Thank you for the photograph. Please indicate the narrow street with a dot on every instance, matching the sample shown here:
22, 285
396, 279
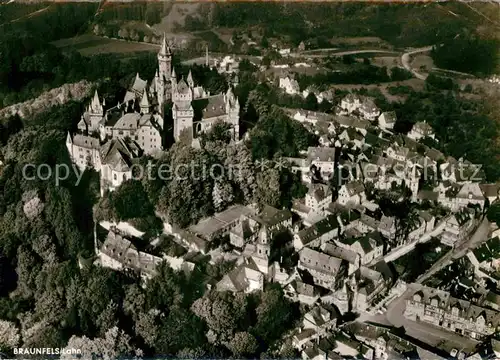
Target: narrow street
479, 236
428, 333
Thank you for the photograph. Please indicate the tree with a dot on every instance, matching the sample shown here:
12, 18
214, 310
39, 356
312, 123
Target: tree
115, 344
275, 314
147, 326
220, 131
348, 59
222, 312
243, 344
493, 213
130, 200
268, 188
311, 102
9, 335
27, 268
222, 194
180, 330
134, 301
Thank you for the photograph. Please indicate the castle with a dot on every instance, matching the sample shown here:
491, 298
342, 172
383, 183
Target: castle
109, 139
193, 109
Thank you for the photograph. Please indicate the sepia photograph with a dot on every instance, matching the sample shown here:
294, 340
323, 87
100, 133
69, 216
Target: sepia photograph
300, 180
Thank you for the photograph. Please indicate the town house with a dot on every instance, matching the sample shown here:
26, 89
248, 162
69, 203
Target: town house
322, 158
327, 271
352, 193
386, 120
421, 130
437, 307
369, 247
317, 234
457, 227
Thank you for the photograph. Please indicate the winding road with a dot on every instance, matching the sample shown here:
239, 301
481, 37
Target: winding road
406, 60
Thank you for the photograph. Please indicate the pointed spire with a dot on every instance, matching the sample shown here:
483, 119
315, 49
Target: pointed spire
96, 98
190, 80
68, 139
165, 49
144, 102
174, 76
156, 75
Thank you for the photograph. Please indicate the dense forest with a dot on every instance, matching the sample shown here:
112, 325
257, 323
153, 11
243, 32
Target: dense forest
47, 300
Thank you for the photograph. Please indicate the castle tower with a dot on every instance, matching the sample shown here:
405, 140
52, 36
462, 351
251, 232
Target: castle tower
95, 112
95, 105
182, 114
190, 80
164, 60
233, 112
173, 84
263, 245
144, 103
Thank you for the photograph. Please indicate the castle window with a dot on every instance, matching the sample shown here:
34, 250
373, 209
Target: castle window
114, 176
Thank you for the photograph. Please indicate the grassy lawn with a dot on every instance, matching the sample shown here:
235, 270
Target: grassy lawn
89, 44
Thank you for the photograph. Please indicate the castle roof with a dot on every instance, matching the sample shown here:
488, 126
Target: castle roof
118, 154
95, 104
144, 100
128, 121
122, 250
87, 142
182, 87
139, 85
210, 107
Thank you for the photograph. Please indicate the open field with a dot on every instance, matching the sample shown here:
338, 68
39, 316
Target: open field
422, 61
360, 41
415, 84
388, 61
88, 45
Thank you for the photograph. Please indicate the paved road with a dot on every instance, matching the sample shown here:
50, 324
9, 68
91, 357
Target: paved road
342, 53
406, 60
201, 59
479, 236
428, 333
